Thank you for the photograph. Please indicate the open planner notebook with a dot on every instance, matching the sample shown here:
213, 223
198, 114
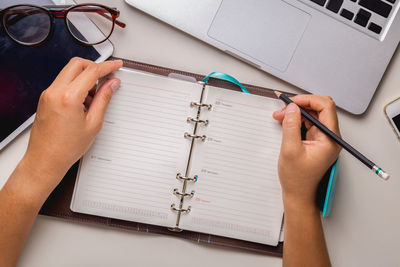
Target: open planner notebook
187, 156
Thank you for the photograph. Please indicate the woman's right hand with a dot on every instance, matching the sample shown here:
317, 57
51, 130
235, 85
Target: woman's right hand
302, 163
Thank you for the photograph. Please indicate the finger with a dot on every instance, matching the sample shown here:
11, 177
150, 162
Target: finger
88, 78
308, 124
279, 114
323, 105
291, 134
88, 101
314, 134
313, 102
93, 90
101, 99
310, 103
74, 67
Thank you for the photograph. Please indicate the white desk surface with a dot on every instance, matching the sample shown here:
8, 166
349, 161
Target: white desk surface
363, 229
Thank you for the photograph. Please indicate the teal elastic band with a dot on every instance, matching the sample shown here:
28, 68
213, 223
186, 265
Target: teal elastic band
225, 77
330, 192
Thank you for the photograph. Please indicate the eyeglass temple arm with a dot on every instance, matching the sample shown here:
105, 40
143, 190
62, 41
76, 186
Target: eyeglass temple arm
98, 10
27, 12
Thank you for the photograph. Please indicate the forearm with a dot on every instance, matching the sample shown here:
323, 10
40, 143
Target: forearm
68, 118
20, 201
304, 243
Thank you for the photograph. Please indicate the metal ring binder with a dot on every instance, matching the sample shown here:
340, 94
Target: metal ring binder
183, 193
201, 105
190, 119
184, 178
201, 137
181, 210
175, 229
189, 195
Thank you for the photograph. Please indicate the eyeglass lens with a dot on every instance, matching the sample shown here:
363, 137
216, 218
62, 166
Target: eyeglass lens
27, 25
77, 23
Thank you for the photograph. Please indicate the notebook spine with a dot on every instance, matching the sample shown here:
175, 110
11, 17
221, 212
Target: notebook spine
185, 179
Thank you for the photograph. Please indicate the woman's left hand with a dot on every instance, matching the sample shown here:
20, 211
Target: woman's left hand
69, 116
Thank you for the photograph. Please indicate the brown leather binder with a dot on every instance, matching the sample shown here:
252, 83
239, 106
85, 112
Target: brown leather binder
58, 203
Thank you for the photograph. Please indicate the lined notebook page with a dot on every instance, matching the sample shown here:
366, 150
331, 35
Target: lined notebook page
129, 172
238, 193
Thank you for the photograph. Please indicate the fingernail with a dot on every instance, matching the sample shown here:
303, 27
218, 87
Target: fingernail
280, 111
115, 85
119, 61
291, 108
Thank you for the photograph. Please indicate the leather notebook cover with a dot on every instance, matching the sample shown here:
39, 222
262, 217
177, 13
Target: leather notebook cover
58, 203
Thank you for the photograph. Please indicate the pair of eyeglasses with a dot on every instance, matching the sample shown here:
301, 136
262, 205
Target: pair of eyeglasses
32, 25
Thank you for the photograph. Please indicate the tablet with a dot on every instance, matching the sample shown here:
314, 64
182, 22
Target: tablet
25, 72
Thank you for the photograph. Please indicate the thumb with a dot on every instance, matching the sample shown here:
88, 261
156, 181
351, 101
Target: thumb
291, 133
101, 99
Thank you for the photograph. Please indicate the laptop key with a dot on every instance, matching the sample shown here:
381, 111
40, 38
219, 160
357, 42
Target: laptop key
319, 2
347, 14
375, 28
376, 6
334, 5
362, 17
366, 9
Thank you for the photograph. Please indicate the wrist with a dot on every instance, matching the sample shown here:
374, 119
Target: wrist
32, 182
42, 173
300, 204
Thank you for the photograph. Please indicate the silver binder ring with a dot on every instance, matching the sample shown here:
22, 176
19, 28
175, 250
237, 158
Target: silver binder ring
189, 120
184, 178
188, 195
180, 210
201, 105
201, 137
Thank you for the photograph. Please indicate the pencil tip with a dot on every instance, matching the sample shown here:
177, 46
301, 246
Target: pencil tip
277, 93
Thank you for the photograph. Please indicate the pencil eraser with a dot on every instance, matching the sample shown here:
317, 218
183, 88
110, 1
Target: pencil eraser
384, 175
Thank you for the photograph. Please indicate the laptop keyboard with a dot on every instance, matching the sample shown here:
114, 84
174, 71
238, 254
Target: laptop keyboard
372, 15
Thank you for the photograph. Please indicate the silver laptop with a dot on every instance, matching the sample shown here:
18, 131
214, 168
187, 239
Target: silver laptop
339, 48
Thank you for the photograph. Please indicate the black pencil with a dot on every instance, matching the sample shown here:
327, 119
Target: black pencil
381, 173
